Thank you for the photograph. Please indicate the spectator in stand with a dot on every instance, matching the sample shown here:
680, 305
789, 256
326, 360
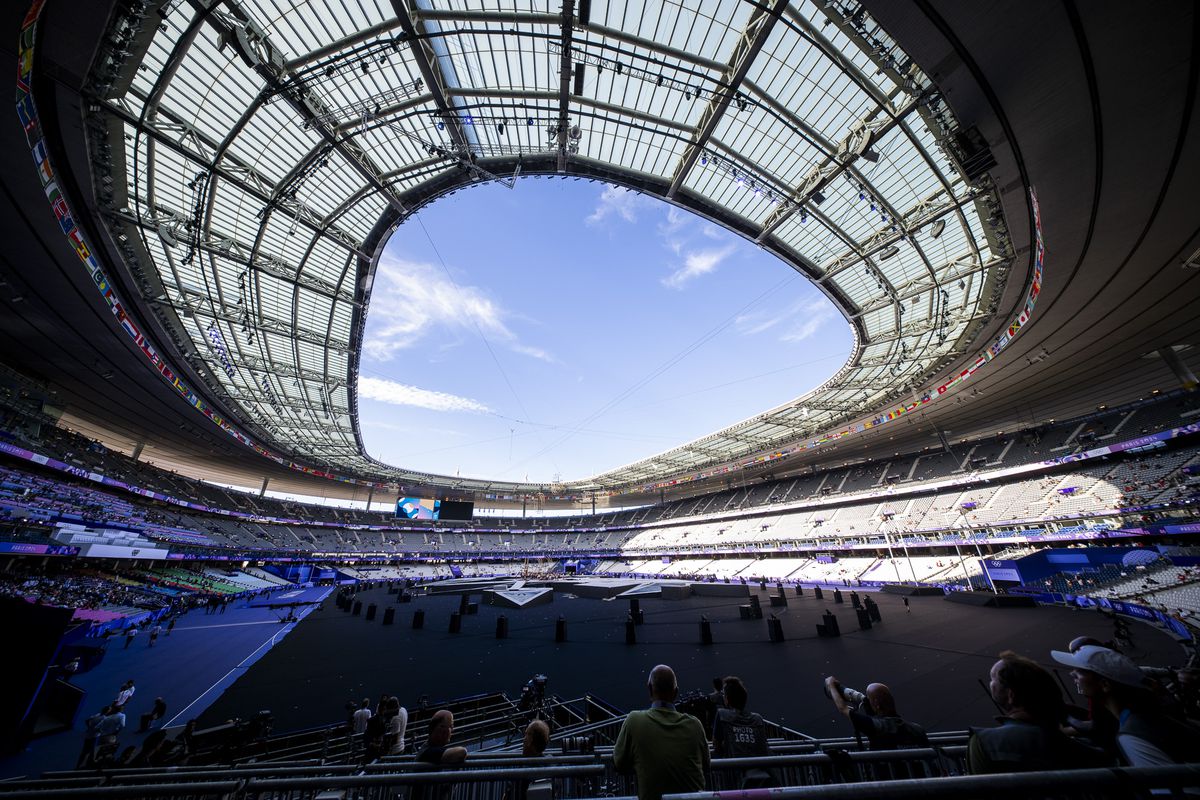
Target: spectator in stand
153, 715
874, 715
741, 734
717, 695
374, 736
1146, 737
361, 717
537, 737
125, 694
437, 748
1028, 737
438, 754
397, 726
665, 748
108, 729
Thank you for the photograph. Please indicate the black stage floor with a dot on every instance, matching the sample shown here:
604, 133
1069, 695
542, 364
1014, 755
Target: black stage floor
932, 657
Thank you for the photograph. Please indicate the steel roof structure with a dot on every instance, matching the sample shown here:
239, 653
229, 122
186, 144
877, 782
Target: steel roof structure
246, 162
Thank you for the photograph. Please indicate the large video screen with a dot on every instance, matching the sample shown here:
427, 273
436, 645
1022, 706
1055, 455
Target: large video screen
417, 508
456, 510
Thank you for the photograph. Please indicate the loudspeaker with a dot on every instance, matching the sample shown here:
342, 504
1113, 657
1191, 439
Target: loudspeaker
472, 608
455, 622
371, 609
774, 629
778, 601
501, 627
829, 626
706, 631
837, 596
799, 590
873, 610
817, 593
630, 631
854, 600
357, 607
389, 615
864, 619
418, 619
560, 630
463, 602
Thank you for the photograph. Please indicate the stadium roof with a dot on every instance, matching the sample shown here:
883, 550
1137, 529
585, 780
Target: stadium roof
248, 161
269, 149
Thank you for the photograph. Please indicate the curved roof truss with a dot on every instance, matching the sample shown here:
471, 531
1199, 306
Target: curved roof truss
261, 152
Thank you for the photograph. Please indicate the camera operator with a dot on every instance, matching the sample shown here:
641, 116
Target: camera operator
874, 715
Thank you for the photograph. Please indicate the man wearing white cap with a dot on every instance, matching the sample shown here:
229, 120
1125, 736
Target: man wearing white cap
1146, 737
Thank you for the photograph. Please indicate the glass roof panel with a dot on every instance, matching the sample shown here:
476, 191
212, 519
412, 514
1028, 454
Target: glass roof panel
354, 115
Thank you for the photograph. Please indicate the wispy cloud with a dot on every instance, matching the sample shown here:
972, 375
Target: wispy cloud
617, 201
798, 321
401, 394
699, 249
811, 318
411, 300
695, 264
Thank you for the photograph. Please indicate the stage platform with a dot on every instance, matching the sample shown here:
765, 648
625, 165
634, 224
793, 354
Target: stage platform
522, 597
989, 600
721, 589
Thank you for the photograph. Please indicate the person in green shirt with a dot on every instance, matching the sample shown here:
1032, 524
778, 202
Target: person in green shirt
666, 749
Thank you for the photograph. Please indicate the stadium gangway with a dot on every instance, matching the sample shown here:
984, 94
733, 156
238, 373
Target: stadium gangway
1060, 784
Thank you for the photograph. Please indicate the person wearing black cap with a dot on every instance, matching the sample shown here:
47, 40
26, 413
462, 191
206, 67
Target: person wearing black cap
1146, 737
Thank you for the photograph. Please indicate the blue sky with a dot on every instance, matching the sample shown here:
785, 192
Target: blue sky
563, 328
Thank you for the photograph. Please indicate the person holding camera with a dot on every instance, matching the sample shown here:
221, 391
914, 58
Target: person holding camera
738, 733
873, 715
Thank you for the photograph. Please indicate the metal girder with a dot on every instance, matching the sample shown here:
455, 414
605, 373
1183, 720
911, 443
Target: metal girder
954, 270
243, 176
857, 142
758, 28
589, 102
918, 217
229, 314
431, 71
233, 250
358, 37
266, 60
567, 22
242, 396
259, 365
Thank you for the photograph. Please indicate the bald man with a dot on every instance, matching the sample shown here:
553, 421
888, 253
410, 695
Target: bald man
876, 716
438, 753
665, 748
437, 748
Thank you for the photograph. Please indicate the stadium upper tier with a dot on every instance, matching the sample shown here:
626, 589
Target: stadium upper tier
1028, 478
250, 161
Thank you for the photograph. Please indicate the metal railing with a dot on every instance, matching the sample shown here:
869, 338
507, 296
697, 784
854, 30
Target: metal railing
1066, 784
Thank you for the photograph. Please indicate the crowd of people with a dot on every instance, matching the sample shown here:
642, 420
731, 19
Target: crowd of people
78, 590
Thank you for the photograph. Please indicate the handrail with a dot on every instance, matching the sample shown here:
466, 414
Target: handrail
409, 778
1006, 785
215, 788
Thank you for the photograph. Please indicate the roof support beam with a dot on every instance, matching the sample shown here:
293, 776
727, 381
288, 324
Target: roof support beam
431, 70
238, 252
758, 28
564, 80
243, 176
261, 55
